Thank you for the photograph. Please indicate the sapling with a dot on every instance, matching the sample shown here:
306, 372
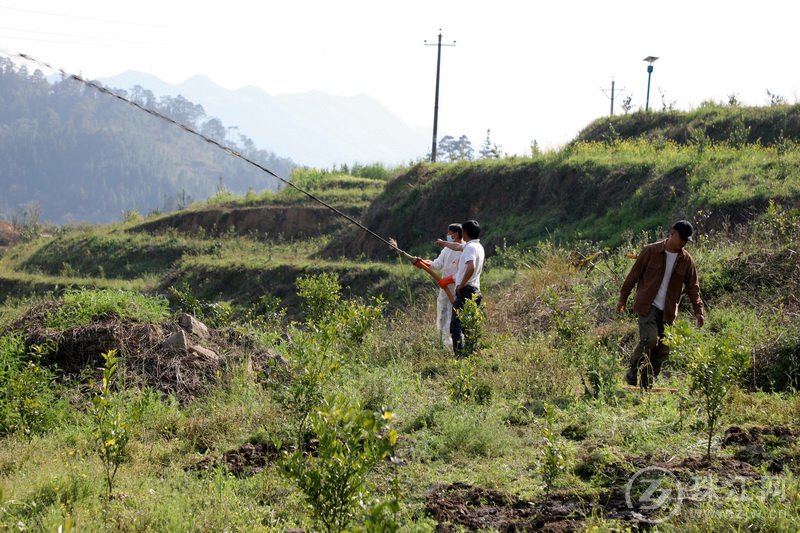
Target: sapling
553, 460
351, 443
714, 366
110, 430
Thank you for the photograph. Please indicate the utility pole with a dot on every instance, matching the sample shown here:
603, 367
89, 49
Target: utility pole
436, 100
613, 83
612, 97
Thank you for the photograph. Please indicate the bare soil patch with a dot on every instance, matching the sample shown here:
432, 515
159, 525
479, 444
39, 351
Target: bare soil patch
461, 505
247, 460
772, 446
477, 508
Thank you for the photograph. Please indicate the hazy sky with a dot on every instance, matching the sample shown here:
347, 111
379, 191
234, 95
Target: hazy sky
525, 69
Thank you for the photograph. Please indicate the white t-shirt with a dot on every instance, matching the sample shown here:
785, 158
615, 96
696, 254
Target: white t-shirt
447, 262
473, 251
662, 291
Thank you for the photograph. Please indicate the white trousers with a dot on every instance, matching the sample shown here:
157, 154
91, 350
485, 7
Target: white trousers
444, 310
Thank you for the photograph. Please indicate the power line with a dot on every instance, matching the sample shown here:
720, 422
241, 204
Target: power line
71, 35
64, 15
77, 43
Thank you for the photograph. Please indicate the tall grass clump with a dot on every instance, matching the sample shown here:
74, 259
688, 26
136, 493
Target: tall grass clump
83, 306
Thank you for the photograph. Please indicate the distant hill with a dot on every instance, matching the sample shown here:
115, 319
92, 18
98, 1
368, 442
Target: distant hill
71, 154
314, 128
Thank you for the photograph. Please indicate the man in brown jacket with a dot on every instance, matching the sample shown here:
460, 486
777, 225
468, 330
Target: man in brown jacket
659, 273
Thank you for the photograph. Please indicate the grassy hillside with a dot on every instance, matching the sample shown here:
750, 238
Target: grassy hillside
592, 191
322, 379
732, 124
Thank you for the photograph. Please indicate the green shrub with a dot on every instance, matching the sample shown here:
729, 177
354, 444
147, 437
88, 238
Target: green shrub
351, 443
465, 386
312, 365
320, 294
358, 319
714, 365
473, 320
596, 364
27, 395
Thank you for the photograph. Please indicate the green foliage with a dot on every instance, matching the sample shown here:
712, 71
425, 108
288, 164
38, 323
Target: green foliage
351, 443
739, 134
473, 321
714, 366
322, 304
110, 430
778, 224
452, 149
83, 306
359, 319
465, 386
597, 365
214, 314
27, 394
320, 294
312, 363
553, 460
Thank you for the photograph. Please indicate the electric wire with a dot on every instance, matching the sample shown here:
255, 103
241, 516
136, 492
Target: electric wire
78, 17
105, 90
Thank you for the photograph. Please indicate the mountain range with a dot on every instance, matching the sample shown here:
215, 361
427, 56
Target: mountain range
314, 129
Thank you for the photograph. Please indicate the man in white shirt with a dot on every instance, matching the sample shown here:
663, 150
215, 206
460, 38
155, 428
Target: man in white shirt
468, 279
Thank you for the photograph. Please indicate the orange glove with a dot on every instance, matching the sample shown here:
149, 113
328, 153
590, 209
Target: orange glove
444, 282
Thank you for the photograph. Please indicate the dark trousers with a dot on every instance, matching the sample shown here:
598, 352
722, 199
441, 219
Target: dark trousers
650, 353
456, 331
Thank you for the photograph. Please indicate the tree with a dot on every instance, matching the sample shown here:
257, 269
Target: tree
214, 129
775, 99
488, 149
143, 97
456, 149
181, 109
626, 104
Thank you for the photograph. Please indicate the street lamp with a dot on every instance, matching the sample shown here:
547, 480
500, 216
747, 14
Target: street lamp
649, 60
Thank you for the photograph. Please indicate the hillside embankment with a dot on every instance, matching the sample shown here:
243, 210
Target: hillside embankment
768, 126
264, 222
597, 192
